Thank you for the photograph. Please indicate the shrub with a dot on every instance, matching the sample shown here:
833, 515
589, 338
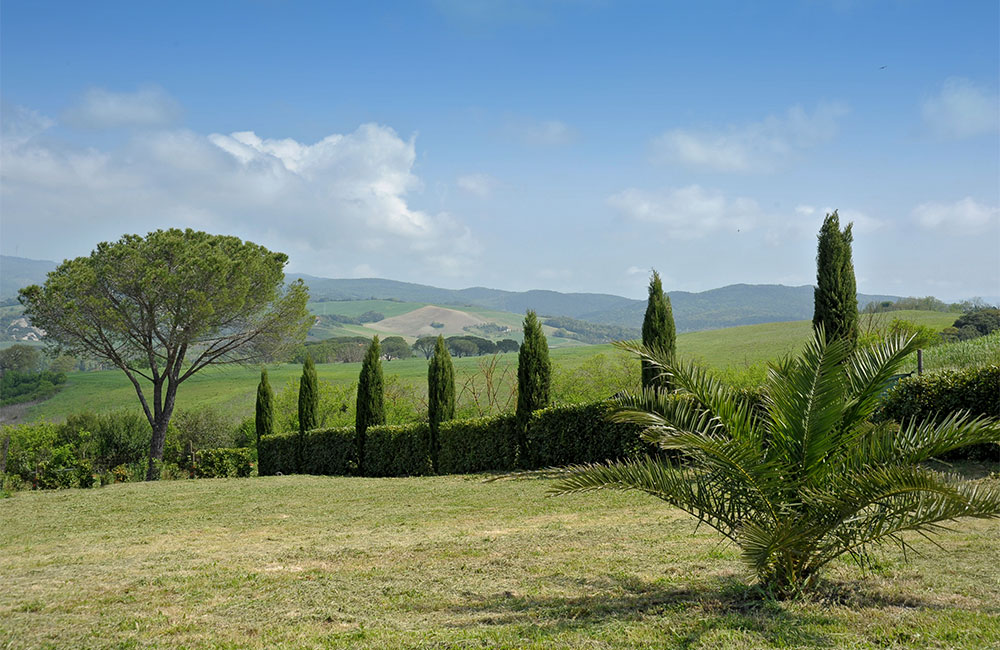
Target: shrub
397, 450
477, 445
582, 433
205, 428
935, 396
17, 386
110, 439
30, 445
223, 463
327, 452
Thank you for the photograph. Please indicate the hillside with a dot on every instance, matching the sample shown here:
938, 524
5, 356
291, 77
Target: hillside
738, 304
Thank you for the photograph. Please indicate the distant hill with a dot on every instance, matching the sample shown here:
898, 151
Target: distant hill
737, 304
19, 272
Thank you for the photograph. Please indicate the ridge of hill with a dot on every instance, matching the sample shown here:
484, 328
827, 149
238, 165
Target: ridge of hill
733, 305
736, 304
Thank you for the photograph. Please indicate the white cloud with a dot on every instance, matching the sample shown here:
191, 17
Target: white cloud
334, 205
758, 146
804, 210
863, 223
966, 216
635, 270
18, 124
481, 185
962, 110
149, 106
546, 133
688, 212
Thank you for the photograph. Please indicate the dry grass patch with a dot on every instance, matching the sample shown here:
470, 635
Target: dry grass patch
442, 562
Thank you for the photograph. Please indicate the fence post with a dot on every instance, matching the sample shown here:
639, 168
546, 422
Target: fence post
4, 447
920, 362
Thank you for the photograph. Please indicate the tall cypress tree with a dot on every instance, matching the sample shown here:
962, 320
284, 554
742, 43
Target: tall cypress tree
534, 376
371, 397
440, 394
308, 406
658, 331
836, 295
264, 416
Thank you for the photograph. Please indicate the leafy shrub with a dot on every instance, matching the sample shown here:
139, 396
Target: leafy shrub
477, 445
109, 439
935, 396
223, 463
582, 433
984, 320
17, 386
397, 450
30, 446
205, 428
327, 452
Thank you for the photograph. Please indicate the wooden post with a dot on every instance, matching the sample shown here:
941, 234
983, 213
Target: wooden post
920, 362
4, 447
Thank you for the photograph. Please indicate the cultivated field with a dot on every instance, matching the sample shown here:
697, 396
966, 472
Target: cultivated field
445, 562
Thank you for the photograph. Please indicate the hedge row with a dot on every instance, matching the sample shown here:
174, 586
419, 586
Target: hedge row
223, 463
560, 435
935, 395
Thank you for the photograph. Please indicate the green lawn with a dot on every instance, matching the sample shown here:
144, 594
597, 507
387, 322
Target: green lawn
445, 562
232, 389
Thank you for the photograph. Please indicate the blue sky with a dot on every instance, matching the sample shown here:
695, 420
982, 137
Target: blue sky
567, 145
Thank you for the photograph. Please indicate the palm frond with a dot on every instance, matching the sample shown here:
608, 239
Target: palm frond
869, 375
711, 499
805, 404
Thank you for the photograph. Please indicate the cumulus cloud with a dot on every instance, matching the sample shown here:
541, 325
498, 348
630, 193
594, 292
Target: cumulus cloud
334, 205
689, 212
962, 110
966, 216
758, 146
545, 133
149, 106
481, 185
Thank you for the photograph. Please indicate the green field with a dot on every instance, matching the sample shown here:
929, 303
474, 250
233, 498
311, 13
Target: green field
446, 562
232, 389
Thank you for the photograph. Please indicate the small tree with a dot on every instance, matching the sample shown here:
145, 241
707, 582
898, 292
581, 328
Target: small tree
440, 393
20, 357
396, 347
370, 410
264, 416
534, 375
308, 404
144, 304
836, 295
425, 346
658, 333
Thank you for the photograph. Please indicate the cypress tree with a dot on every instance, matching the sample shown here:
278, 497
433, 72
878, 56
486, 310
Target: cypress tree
658, 331
534, 376
371, 397
264, 416
440, 393
836, 294
308, 405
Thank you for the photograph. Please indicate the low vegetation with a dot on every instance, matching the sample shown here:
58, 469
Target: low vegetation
447, 562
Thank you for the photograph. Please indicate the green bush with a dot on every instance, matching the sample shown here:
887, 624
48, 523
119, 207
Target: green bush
936, 395
397, 450
223, 463
479, 445
582, 433
327, 452
109, 439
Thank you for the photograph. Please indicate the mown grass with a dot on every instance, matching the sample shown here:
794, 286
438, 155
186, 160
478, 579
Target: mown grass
232, 389
444, 562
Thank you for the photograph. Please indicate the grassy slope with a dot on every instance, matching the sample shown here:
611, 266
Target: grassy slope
443, 562
233, 389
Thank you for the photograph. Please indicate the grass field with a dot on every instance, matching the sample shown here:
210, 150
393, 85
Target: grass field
445, 562
232, 389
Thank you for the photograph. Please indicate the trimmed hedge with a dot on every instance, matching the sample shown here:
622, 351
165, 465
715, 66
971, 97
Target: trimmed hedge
327, 452
397, 450
479, 445
223, 463
935, 395
581, 433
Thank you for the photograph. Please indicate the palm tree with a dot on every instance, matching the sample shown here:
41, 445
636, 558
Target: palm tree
802, 476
